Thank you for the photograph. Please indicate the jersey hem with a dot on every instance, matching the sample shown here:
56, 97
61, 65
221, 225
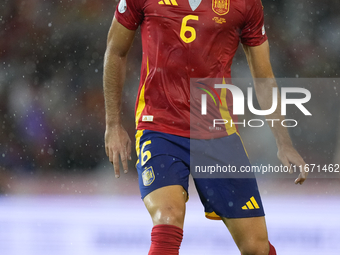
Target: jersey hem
258, 43
187, 133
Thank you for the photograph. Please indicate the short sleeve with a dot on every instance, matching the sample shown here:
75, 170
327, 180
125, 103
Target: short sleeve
253, 32
129, 13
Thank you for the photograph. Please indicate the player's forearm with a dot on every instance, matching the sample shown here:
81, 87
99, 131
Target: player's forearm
264, 94
114, 77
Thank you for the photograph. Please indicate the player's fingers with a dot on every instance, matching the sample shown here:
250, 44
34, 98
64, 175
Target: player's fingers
123, 158
115, 162
303, 171
109, 154
290, 169
107, 149
300, 179
298, 161
302, 176
128, 148
286, 163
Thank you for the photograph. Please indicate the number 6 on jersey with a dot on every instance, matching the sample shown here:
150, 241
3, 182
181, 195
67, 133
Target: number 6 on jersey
185, 28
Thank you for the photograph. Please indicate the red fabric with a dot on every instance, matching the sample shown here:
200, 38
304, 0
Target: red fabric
165, 240
272, 250
180, 44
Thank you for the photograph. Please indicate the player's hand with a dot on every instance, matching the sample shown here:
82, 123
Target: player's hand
118, 145
288, 155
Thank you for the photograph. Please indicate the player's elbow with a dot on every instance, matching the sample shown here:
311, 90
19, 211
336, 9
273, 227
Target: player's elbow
112, 50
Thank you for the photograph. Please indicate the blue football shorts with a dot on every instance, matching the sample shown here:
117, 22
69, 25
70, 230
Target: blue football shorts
165, 159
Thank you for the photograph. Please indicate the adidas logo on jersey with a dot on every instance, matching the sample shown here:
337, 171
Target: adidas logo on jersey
168, 2
251, 204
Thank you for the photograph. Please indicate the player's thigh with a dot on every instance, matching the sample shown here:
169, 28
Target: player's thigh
228, 193
163, 160
163, 174
249, 234
166, 205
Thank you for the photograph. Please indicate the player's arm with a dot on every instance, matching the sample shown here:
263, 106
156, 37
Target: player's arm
117, 141
264, 81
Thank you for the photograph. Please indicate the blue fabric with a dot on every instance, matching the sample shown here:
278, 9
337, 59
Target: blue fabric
169, 158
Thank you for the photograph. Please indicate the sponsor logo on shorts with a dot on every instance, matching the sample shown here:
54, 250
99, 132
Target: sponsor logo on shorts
251, 204
148, 176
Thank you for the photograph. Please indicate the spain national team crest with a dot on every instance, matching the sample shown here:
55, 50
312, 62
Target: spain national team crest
221, 7
148, 176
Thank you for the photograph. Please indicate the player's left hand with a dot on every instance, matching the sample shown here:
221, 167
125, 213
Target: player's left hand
288, 155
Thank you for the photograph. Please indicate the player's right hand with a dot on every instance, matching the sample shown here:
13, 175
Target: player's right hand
288, 155
118, 145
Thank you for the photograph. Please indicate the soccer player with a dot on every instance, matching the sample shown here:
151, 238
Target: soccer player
185, 40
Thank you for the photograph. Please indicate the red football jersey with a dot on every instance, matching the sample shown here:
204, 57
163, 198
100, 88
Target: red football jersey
186, 43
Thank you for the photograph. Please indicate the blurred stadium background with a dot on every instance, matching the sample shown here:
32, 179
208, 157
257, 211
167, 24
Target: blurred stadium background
58, 191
